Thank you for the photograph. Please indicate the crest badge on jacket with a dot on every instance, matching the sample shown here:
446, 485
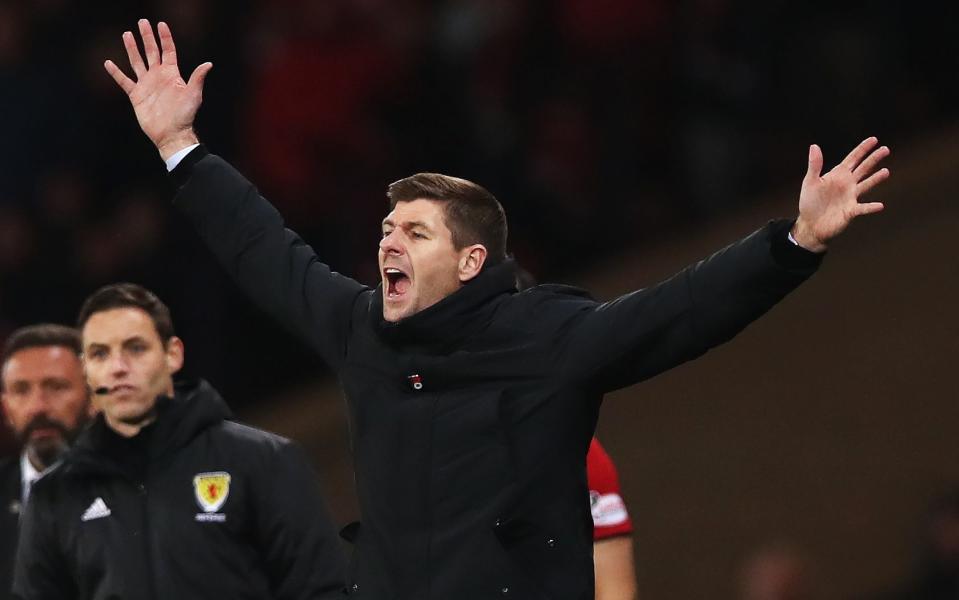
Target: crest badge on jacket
212, 490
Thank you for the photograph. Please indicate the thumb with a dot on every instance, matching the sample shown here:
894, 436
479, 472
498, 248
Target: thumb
199, 76
869, 208
815, 162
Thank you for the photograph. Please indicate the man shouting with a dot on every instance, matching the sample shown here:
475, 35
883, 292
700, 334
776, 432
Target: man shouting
472, 406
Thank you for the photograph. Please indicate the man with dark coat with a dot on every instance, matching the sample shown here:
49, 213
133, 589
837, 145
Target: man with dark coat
11, 487
471, 405
11, 498
162, 496
45, 403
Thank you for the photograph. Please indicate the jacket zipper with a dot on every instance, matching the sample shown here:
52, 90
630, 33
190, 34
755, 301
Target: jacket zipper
434, 402
151, 576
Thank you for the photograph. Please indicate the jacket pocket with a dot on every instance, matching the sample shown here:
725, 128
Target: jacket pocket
351, 533
550, 557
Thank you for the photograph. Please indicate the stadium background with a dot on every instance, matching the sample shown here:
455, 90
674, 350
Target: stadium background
626, 138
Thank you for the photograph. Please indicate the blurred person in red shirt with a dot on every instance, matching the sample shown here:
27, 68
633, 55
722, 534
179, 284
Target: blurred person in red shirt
612, 528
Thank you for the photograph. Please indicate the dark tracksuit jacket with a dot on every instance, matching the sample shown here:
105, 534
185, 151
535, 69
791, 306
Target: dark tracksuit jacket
11, 487
194, 506
470, 421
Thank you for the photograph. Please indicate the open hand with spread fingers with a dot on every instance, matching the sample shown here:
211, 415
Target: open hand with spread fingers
828, 203
164, 104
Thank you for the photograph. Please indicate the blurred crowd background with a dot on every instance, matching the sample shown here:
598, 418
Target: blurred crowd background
604, 126
600, 124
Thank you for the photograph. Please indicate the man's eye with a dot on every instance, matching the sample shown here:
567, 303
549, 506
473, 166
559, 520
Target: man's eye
138, 348
419, 236
386, 233
97, 354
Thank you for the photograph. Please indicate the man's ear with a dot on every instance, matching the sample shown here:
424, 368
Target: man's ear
3, 399
472, 259
174, 354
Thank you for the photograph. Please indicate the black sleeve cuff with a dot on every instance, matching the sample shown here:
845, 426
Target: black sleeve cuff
181, 173
788, 254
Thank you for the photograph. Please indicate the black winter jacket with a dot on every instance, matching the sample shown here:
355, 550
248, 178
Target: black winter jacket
194, 506
470, 421
11, 487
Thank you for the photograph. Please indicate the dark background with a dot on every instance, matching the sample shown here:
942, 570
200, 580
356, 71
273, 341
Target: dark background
624, 138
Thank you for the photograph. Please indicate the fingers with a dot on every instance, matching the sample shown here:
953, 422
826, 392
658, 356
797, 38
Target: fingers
815, 163
166, 43
859, 152
872, 181
199, 76
125, 83
133, 53
149, 42
866, 166
868, 208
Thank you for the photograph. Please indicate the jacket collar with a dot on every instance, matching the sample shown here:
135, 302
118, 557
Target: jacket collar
194, 407
452, 319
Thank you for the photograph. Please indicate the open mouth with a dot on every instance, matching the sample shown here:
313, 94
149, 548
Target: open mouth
396, 282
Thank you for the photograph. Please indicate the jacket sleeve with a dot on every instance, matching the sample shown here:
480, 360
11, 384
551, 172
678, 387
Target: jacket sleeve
646, 332
272, 265
302, 554
40, 572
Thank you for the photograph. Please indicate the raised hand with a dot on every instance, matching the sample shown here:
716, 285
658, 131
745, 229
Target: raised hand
828, 203
164, 104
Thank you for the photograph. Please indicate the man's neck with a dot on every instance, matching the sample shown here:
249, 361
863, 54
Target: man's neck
128, 429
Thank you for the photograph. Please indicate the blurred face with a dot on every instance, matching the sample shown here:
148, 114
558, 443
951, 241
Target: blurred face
776, 575
419, 264
45, 400
124, 356
944, 533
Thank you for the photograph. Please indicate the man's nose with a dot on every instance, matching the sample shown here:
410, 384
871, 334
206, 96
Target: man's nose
38, 401
118, 364
390, 244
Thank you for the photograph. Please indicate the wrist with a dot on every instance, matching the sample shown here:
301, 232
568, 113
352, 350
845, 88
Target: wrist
170, 146
805, 238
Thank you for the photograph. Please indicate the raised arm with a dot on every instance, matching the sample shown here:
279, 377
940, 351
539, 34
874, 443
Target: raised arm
164, 104
270, 263
646, 332
829, 203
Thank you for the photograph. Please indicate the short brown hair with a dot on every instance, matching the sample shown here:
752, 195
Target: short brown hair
42, 335
128, 295
473, 215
